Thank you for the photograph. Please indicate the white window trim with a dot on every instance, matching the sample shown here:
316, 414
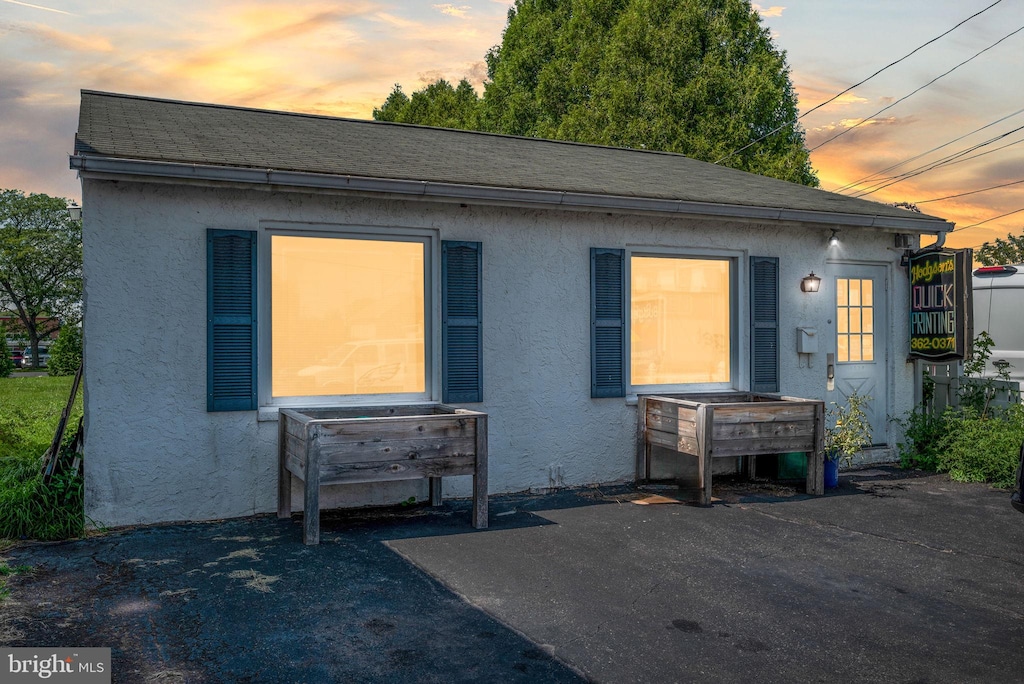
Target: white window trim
739, 312
431, 304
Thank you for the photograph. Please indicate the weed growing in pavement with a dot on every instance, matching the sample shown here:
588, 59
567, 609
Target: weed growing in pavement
8, 570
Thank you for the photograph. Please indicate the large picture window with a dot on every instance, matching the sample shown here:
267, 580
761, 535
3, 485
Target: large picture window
682, 321
349, 316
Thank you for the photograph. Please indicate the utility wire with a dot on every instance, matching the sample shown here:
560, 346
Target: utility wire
934, 149
973, 225
857, 85
972, 192
942, 75
955, 158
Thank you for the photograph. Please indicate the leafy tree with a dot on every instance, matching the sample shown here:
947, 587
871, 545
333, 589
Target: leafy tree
40, 263
66, 352
698, 77
437, 105
1008, 251
6, 364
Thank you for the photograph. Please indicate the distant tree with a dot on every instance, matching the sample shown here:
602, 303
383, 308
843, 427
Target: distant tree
6, 364
999, 252
66, 352
439, 104
40, 263
698, 77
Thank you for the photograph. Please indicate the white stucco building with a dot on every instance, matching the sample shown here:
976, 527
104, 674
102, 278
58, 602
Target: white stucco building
238, 261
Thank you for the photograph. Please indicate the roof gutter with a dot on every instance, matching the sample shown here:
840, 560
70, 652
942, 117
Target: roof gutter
498, 195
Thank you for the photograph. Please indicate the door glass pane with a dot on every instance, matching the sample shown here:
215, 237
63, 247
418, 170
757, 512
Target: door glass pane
347, 316
680, 320
855, 320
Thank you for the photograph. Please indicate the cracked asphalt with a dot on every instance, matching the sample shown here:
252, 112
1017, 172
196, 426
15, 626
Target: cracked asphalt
894, 577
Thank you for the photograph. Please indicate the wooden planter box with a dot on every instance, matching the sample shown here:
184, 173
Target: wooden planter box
719, 425
379, 444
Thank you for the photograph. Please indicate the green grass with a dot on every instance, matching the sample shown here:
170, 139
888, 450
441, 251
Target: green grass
30, 409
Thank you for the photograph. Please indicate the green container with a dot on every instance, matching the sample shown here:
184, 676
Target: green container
793, 466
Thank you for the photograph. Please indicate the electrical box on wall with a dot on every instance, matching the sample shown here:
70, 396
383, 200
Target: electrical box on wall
806, 341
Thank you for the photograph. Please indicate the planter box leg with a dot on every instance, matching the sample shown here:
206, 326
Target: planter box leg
705, 430
435, 491
284, 478
816, 458
480, 476
311, 504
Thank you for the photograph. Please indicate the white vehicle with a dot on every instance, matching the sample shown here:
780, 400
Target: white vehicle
999, 311
44, 357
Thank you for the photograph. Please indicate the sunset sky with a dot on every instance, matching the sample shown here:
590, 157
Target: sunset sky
342, 58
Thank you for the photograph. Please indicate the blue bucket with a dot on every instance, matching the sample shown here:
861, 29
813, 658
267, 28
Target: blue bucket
831, 473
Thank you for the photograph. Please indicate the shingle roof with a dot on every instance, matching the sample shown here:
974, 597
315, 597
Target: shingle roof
140, 128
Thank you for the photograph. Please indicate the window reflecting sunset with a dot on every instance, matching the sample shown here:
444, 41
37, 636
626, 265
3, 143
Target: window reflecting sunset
347, 316
680, 321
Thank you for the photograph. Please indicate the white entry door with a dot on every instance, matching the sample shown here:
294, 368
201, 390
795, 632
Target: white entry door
860, 341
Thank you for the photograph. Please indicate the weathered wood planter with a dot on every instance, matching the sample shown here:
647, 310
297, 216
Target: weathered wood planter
719, 425
379, 444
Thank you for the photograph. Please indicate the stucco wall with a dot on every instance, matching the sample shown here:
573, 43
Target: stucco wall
153, 453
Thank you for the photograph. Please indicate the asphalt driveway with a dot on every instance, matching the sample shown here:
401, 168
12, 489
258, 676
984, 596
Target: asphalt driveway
894, 577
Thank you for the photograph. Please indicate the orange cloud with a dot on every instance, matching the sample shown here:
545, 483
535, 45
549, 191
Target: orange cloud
62, 40
773, 11
453, 10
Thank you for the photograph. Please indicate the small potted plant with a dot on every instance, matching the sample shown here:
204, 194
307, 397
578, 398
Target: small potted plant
847, 431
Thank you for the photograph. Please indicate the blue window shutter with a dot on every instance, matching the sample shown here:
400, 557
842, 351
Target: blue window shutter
230, 320
607, 322
764, 324
461, 329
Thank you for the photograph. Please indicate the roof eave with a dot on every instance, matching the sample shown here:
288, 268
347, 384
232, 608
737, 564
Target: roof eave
111, 166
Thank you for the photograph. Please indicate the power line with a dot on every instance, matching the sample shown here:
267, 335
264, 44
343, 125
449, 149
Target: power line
934, 149
949, 160
972, 192
890, 106
974, 225
857, 85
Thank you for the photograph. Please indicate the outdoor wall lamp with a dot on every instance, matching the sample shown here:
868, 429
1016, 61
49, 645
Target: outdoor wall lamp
810, 283
74, 211
833, 240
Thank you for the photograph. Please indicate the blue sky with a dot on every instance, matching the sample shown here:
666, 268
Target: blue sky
342, 58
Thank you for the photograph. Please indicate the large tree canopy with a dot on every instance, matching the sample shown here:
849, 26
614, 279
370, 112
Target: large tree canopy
40, 262
698, 77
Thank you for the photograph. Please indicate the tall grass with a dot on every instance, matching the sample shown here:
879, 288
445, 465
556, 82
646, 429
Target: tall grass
30, 409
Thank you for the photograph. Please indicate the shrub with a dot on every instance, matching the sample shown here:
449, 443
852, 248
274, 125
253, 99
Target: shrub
6, 365
66, 352
922, 432
983, 449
